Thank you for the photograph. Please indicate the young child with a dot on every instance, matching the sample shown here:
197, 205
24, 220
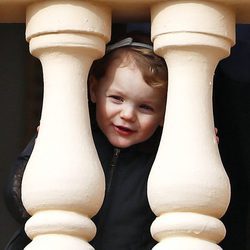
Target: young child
128, 89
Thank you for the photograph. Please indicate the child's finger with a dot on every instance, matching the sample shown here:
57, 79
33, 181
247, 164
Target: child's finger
217, 137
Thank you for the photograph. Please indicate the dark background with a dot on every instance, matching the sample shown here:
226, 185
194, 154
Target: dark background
20, 106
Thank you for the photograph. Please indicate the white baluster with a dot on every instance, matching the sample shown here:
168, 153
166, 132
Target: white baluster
63, 184
188, 188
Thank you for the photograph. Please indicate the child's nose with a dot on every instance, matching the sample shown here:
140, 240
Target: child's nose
128, 113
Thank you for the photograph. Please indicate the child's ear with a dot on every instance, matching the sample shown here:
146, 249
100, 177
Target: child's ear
92, 88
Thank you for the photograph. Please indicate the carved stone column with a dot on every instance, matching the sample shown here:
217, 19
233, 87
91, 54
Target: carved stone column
188, 188
63, 184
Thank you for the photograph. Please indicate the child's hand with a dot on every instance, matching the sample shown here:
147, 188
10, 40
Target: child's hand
217, 137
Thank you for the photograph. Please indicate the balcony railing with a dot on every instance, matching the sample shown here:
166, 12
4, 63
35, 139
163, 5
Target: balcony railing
188, 188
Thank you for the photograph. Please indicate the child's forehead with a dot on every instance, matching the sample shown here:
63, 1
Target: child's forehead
130, 79
121, 61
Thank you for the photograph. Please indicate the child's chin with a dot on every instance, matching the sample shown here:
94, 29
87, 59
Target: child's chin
121, 143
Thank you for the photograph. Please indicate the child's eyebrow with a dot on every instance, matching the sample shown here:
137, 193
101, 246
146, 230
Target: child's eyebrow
115, 90
147, 101
150, 102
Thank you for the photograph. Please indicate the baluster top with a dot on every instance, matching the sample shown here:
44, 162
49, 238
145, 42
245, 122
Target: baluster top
13, 11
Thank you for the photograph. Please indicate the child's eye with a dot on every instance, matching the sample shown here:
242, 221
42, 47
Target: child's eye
146, 108
116, 98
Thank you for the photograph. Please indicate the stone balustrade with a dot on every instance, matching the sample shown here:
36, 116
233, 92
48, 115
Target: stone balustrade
63, 185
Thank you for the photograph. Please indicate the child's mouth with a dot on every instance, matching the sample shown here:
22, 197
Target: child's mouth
123, 130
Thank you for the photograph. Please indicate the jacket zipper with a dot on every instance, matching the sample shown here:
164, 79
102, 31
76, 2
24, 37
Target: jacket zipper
101, 224
113, 165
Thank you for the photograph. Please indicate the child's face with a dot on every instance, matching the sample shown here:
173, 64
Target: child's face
128, 110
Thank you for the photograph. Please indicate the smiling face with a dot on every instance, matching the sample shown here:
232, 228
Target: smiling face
128, 110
